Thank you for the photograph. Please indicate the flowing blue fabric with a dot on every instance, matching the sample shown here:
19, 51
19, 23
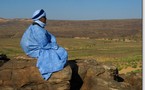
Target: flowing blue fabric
39, 43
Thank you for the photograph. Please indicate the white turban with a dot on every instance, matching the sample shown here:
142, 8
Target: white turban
38, 14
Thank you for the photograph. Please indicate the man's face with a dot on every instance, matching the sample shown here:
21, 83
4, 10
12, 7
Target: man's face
43, 19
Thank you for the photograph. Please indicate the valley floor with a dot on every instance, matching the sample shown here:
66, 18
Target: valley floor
126, 55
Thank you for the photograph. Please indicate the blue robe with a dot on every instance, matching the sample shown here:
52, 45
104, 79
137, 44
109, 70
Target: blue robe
39, 43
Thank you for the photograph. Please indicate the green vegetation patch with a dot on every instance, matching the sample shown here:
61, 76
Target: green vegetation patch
122, 54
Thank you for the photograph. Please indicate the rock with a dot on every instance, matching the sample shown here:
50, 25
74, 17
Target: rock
22, 74
91, 75
134, 79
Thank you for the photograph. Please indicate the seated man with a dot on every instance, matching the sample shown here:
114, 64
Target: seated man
39, 43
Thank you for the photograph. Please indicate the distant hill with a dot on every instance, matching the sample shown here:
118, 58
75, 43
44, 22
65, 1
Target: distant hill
126, 28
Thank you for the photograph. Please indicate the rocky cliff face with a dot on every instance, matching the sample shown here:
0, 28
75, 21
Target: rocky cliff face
21, 74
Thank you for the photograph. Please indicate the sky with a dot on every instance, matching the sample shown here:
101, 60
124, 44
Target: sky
73, 9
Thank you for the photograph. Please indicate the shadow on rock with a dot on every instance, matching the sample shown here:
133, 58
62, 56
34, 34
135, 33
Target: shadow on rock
116, 76
76, 81
3, 59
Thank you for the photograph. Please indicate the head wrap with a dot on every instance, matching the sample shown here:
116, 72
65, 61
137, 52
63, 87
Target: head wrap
38, 14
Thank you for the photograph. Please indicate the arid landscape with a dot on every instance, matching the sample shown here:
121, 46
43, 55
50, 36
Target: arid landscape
111, 42
107, 29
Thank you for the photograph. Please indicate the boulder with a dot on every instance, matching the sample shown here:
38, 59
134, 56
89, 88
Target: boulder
91, 75
22, 74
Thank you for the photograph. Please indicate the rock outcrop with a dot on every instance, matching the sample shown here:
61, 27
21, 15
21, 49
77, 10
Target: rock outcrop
22, 74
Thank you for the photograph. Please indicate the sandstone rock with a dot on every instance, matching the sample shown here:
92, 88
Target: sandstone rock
134, 79
22, 74
91, 75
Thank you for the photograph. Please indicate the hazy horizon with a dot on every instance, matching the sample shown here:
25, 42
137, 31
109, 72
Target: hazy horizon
77, 19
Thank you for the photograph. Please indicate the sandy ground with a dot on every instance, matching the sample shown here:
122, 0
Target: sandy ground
128, 69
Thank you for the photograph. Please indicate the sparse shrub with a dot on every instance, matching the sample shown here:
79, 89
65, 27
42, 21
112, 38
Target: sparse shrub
134, 66
137, 71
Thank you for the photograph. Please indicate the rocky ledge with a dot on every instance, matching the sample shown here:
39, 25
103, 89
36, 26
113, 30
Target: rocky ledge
22, 74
